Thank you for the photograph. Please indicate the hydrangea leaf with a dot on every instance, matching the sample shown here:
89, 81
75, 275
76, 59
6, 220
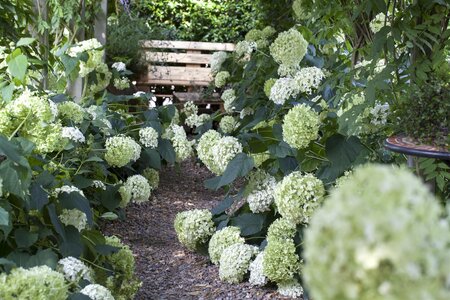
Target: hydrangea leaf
249, 223
240, 165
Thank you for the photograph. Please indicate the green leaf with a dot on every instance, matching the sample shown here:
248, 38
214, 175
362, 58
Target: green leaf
240, 165
38, 197
25, 41
57, 225
110, 198
281, 150
4, 217
249, 223
109, 216
17, 66
151, 158
75, 200
223, 205
166, 150
43, 257
24, 238
7, 92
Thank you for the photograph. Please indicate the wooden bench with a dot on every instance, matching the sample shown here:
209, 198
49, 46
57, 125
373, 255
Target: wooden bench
180, 63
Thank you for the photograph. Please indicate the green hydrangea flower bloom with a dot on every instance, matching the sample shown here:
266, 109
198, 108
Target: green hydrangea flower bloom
194, 227
300, 126
221, 240
71, 111
221, 78
228, 124
281, 262
37, 283
235, 261
297, 196
281, 229
378, 236
121, 150
152, 177
289, 48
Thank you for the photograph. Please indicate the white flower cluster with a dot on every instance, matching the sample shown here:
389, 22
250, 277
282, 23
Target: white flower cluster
297, 196
120, 150
379, 114
194, 227
235, 261
228, 124
84, 46
68, 189
181, 145
300, 126
97, 292
53, 108
217, 60
262, 187
281, 262
190, 109
291, 288
378, 22
216, 151
148, 137
256, 268
136, 189
121, 83
223, 239
244, 49
309, 78
221, 79
192, 117
228, 97
73, 134
119, 66
74, 217
289, 48
378, 236
283, 89
74, 269
98, 185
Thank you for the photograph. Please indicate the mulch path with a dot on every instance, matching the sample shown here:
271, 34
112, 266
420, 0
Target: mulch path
166, 268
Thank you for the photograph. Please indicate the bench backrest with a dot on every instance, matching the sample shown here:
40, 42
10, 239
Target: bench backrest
180, 62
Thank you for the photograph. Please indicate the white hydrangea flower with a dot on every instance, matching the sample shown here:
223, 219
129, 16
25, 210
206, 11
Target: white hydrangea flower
221, 240
235, 261
379, 114
288, 71
309, 79
190, 108
378, 236
224, 151
148, 136
289, 48
121, 83
83, 46
256, 268
99, 185
97, 292
139, 94
379, 67
228, 97
228, 124
300, 126
204, 148
221, 78
151, 104
167, 101
244, 49
181, 145
138, 188
68, 189
217, 60
119, 66
53, 108
73, 134
247, 111
194, 227
291, 288
283, 89
261, 195
74, 217
297, 196
74, 269
120, 150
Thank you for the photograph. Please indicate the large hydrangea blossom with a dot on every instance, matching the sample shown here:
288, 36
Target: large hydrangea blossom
136, 189
74, 269
235, 261
217, 59
37, 283
300, 126
261, 186
256, 268
281, 262
194, 227
221, 240
309, 79
121, 150
148, 136
228, 124
181, 145
221, 78
73, 217
289, 48
97, 292
298, 195
378, 236
283, 89
228, 97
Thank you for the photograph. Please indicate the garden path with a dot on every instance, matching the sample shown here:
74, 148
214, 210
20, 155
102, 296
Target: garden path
166, 268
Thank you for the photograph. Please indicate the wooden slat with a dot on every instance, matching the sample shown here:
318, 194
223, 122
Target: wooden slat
186, 74
181, 58
205, 46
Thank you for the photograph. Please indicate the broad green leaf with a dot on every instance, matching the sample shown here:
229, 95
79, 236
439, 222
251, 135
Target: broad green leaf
7, 92
249, 223
75, 200
25, 41
223, 205
57, 225
24, 238
166, 150
239, 166
17, 67
109, 216
151, 158
4, 217
38, 197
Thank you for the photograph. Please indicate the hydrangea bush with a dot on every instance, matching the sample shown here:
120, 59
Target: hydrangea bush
194, 227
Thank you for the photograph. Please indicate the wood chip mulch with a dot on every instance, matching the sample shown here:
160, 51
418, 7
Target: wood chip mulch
167, 269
